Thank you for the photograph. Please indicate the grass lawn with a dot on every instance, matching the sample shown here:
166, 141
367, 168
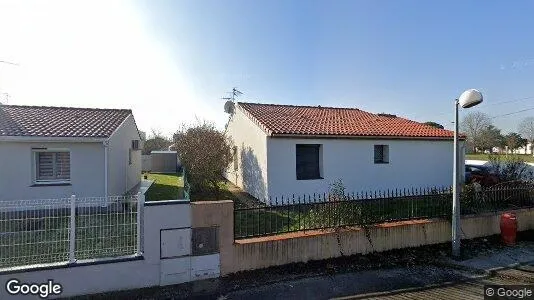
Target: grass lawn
165, 187
525, 157
225, 194
46, 240
288, 218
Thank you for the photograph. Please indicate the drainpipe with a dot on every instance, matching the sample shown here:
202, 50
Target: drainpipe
106, 146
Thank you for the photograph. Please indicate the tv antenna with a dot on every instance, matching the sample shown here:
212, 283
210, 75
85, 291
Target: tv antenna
229, 106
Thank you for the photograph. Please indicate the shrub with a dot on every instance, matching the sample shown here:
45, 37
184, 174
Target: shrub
511, 168
205, 153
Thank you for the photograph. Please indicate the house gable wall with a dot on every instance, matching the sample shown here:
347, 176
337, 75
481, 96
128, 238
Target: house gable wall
122, 176
251, 143
16, 171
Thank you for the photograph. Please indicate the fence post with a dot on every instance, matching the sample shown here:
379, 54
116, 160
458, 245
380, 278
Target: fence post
72, 230
140, 219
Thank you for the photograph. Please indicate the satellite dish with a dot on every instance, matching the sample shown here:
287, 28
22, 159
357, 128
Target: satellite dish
229, 107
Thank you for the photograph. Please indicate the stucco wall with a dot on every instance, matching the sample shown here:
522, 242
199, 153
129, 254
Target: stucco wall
251, 141
16, 174
122, 176
263, 252
412, 163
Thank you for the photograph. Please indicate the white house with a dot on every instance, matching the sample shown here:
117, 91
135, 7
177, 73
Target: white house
55, 152
524, 150
281, 150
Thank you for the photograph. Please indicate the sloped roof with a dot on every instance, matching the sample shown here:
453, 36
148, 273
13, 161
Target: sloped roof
47, 121
289, 120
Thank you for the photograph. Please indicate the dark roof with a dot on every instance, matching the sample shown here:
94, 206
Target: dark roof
46, 121
329, 121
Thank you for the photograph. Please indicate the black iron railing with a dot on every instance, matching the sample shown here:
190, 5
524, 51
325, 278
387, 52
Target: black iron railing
310, 212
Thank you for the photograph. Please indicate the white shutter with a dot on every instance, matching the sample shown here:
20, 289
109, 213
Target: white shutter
62, 165
52, 166
45, 166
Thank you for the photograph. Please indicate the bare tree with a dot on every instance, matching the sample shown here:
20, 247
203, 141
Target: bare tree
205, 153
473, 124
156, 141
526, 129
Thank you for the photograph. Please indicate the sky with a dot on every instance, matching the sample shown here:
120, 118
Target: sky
172, 61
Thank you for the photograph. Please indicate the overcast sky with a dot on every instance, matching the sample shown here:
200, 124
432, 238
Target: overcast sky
172, 61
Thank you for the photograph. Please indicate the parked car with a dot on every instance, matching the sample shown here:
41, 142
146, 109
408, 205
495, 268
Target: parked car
484, 175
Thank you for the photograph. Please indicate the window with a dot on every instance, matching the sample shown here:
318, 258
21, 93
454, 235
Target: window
381, 154
236, 163
52, 166
129, 156
308, 161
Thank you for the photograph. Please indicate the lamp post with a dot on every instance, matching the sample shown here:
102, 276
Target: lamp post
467, 99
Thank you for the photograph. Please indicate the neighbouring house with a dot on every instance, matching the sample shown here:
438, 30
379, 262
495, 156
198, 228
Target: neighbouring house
55, 152
524, 149
285, 150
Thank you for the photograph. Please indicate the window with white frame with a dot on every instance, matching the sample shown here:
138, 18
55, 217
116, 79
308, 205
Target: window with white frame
52, 166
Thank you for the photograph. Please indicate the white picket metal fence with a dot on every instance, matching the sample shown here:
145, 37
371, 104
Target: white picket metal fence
43, 231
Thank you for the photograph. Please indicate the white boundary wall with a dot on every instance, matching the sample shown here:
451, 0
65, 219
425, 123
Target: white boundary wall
150, 269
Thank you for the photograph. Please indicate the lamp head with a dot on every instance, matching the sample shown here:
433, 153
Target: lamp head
470, 98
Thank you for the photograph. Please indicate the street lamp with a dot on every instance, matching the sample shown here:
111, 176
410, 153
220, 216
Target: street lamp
467, 99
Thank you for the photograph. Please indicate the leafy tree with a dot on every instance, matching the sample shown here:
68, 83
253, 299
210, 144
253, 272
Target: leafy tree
514, 140
472, 125
526, 129
434, 124
490, 137
156, 142
205, 153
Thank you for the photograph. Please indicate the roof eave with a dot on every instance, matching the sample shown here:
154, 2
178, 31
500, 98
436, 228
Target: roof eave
45, 139
361, 137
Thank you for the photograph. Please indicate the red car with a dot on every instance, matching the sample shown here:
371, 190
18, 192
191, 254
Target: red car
481, 174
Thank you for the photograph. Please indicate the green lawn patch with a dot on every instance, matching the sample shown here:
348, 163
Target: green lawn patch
525, 157
46, 240
165, 187
224, 194
295, 217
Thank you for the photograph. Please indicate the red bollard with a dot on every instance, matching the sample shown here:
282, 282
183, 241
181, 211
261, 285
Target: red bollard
508, 228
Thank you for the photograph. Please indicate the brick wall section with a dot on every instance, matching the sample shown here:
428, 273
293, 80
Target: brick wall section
262, 252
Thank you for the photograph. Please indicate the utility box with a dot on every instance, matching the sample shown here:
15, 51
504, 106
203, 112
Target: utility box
175, 242
205, 241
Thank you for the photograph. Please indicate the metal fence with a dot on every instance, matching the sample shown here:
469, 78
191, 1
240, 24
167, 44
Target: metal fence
46, 231
187, 186
309, 212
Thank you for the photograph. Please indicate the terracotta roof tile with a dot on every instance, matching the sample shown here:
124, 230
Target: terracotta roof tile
329, 121
45, 121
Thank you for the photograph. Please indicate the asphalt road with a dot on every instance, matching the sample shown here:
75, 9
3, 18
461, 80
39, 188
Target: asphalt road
472, 289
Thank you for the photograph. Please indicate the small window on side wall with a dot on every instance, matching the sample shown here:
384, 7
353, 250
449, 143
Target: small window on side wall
381, 154
308, 161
